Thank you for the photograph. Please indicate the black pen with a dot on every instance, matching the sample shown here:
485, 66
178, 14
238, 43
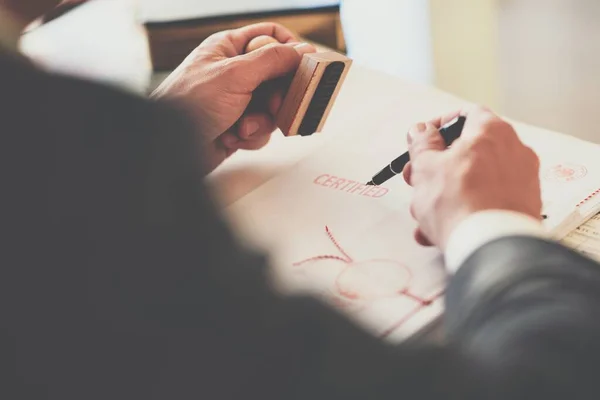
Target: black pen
450, 132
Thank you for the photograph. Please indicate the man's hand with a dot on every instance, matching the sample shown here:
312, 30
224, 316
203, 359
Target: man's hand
487, 168
234, 97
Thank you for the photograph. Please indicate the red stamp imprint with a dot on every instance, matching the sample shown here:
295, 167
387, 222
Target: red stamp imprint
565, 172
333, 182
353, 283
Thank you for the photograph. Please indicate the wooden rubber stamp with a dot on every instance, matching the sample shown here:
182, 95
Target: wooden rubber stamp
312, 93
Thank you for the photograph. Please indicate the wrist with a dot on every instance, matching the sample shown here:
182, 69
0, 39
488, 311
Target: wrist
484, 226
491, 214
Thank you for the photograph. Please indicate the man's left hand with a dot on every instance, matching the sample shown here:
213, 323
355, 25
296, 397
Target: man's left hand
233, 96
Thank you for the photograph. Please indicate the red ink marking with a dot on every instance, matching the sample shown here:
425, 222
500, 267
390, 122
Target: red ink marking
398, 324
422, 304
391, 279
371, 191
349, 184
565, 172
591, 196
351, 286
354, 184
329, 181
420, 300
336, 184
318, 258
352, 187
346, 185
336, 244
350, 295
382, 192
357, 188
318, 178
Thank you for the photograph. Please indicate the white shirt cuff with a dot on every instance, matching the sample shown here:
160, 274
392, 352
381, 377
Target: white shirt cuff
483, 227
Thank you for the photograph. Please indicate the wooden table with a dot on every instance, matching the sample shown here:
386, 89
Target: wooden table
171, 41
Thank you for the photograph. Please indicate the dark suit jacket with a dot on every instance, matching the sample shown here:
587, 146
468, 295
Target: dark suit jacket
119, 280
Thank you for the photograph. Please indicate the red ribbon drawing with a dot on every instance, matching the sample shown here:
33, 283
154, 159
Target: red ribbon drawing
346, 294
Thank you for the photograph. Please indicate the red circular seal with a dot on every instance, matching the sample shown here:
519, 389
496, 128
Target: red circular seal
565, 172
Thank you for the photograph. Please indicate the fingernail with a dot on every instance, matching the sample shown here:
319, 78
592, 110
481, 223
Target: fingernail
304, 48
229, 141
418, 128
252, 127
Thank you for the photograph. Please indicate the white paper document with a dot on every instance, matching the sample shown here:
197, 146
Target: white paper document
352, 245
570, 177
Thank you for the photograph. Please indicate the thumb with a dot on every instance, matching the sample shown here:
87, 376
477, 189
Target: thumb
424, 137
272, 61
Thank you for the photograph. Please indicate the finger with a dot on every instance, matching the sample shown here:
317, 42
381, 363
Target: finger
269, 62
412, 210
259, 42
406, 173
252, 132
482, 121
230, 141
424, 137
421, 238
475, 109
444, 119
477, 116
257, 142
254, 125
463, 112
275, 103
241, 37
268, 97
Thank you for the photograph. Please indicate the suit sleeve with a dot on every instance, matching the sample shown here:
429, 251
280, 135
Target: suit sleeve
525, 313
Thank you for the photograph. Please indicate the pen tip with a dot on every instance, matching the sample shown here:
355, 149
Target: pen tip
370, 183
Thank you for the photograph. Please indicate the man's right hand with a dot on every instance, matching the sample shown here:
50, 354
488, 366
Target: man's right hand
487, 168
